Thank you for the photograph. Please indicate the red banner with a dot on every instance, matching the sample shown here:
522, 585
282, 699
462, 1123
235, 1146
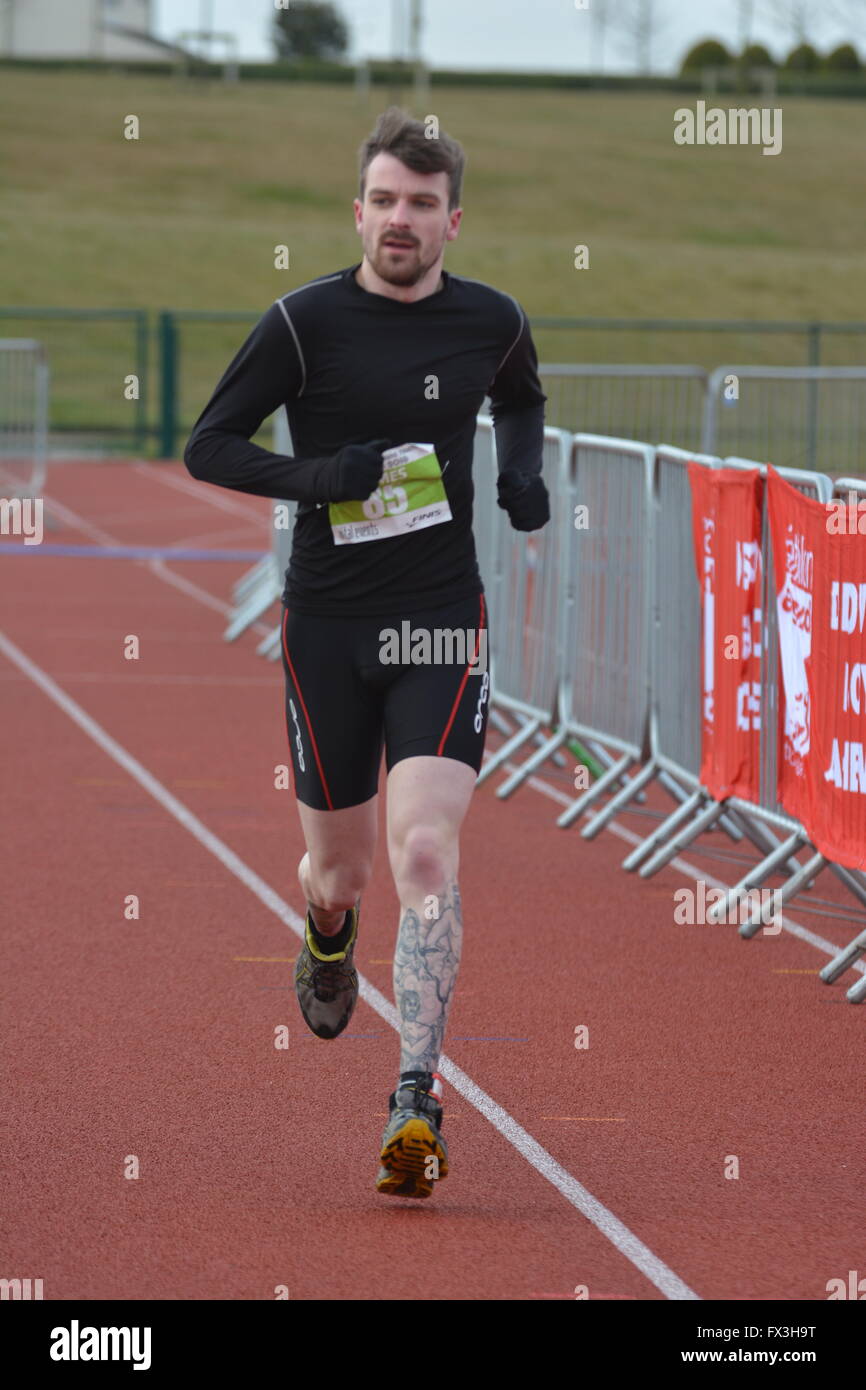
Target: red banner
726, 527
820, 574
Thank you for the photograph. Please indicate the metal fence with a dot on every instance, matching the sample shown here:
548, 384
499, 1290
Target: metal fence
626, 402
129, 378
24, 392
99, 372
796, 417
596, 634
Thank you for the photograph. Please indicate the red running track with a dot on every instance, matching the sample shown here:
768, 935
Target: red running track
152, 1040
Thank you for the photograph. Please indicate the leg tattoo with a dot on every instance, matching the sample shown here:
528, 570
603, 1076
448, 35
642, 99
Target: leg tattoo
425, 967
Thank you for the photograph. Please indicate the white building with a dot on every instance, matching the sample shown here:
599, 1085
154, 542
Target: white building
109, 29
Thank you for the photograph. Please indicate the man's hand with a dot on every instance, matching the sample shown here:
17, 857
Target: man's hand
525, 499
353, 473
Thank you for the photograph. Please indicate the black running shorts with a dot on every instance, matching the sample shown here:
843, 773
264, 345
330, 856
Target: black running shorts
414, 685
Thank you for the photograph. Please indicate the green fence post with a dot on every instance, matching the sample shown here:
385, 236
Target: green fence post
141, 343
814, 331
168, 383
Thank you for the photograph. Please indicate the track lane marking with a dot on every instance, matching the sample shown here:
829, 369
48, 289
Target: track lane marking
615, 1231
156, 567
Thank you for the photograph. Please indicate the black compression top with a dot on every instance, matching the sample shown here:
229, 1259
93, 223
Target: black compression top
351, 366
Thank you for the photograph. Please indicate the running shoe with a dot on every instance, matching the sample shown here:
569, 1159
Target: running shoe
327, 985
414, 1154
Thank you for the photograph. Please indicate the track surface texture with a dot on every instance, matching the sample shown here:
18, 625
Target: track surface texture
148, 1045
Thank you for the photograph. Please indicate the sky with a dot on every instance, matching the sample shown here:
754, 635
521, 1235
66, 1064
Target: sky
537, 35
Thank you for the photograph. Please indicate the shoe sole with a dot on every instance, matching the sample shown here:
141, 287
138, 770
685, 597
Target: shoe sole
405, 1160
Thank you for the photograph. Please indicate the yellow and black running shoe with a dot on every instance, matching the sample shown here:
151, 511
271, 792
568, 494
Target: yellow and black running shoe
327, 985
414, 1154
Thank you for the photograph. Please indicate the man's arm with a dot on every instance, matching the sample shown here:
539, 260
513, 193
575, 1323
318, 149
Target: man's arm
517, 404
267, 371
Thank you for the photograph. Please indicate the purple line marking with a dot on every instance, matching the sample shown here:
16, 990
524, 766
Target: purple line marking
128, 552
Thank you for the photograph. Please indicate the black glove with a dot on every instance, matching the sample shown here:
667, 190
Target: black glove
524, 497
353, 473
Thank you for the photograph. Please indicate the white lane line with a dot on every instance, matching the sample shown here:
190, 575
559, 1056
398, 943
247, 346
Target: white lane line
684, 867
156, 567
203, 492
88, 527
619, 1235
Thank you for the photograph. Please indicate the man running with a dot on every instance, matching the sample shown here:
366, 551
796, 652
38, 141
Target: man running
382, 368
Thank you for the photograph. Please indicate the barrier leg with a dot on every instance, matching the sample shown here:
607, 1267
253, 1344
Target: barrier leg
810, 869
577, 807
851, 882
500, 722
504, 753
679, 793
845, 959
661, 832
707, 817
270, 646
258, 603
626, 793
762, 837
540, 756
756, 875
608, 761
251, 578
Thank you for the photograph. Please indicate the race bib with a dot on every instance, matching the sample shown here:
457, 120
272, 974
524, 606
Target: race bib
410, 497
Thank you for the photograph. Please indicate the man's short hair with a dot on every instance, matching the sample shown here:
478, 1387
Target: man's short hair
399, 134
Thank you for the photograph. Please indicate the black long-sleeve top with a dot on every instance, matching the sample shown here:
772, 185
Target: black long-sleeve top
352, 366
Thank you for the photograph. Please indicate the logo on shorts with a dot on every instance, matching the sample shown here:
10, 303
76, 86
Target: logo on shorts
298, 744
482, 698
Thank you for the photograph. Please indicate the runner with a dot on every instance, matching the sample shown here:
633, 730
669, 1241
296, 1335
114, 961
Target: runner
383, 368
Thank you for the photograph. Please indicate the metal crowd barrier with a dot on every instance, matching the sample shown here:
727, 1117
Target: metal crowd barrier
261, 586
24, 390
605, 613
626, 401
524, 590
792, 415
852, 952
669, 839
596, 634
673, 627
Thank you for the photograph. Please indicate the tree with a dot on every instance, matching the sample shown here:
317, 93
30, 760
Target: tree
755, 55
707, 54
309, 30
793, 15
640, 21
843, 59
803, 58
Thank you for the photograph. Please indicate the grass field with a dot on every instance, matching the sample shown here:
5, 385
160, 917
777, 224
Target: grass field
187, 216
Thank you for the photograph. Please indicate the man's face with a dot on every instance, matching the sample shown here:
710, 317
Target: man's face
404, 220
410, 1004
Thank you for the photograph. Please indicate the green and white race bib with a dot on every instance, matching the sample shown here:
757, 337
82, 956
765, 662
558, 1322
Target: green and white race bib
410, 497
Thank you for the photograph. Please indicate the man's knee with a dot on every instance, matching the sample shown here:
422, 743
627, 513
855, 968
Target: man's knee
336, 886
424, 859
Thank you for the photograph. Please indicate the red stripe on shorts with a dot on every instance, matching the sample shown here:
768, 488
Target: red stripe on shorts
306, 715
444, 737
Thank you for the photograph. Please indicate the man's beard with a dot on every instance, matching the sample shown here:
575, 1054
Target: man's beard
405, 269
